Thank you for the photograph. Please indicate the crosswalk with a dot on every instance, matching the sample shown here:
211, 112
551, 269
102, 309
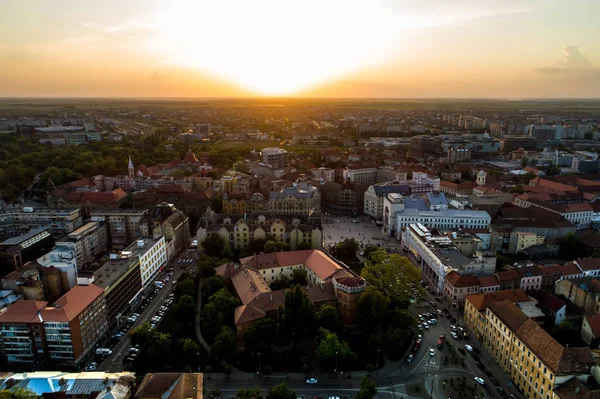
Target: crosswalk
427, 363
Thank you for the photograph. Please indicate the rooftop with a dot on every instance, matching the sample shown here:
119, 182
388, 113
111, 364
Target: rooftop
107, 274
22, 238
482, 301
171, 386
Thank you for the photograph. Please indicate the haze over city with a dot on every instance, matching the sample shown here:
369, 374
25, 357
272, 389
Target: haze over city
357, 48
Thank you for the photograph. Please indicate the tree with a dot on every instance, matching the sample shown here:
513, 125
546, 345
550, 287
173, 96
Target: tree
156, 349
224, 345
372, 308
299, 276
189, 353
280, 391
329, 319
185, 286
18, 393
392, 274
517, 189
346, 250
218, 312
298, 312
524, 162
270, 247
588, 135
330, 347
256, 246
571, 247
304, 245
185, 308
367, 390
262, 333
211, 286
249, 393
213, 245
369, 249
553, 171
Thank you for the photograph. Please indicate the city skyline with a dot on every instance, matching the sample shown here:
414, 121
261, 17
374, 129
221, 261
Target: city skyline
335, 49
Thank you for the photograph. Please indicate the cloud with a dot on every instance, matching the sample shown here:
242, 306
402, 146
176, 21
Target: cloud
111, 29
573, 58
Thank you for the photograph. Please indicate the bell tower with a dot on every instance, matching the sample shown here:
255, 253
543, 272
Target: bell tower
131, 169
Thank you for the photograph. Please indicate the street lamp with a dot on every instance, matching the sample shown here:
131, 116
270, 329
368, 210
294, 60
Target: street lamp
335, 369
258, 372
377, 364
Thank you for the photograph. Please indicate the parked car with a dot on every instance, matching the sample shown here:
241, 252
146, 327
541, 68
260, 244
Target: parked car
409, 358
431, 352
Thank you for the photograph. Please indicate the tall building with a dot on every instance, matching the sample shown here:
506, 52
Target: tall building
16, 221
63, 333
174, 225
459, 154
424, 144
152, 254
122, 225
373, 197
89, 243
276, 157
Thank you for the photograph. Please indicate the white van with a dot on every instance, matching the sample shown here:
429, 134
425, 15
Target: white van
103, 351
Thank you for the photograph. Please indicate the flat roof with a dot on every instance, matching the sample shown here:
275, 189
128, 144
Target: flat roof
107, 274
83, 229
444, 213
100, 212
18, 240
137, 250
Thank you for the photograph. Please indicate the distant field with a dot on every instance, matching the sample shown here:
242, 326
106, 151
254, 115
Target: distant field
19, 106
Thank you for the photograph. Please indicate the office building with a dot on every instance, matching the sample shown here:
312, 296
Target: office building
63, 333
64, 259
123, 225
17, 251
424, 144
152, 254
17, 221
89, 243
121, 280
373, 197
276, 157
459, 154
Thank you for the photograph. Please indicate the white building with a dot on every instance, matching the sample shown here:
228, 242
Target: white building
396, 216
437, 256
361, 176
327, 174
64, 259
152, 253
373, 198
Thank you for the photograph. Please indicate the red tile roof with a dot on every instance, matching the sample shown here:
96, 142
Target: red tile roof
456, 280
588, 264
550, 302
23, 311
105, 197
490, 281
71, 304
482, 301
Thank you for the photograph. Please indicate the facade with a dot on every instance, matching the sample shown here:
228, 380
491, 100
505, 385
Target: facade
17, 251
122, 225
459, 154
276, 157
582, 292
173, 224
389, 174
36, 282
152, 254
424, 144
63, 259
362, 176
457, 288
89, 242
121, 280
536, 362
342, 198
399, 213
62, 334
454, 189
16, 221
326, 174
520, 240
301, 199
373, 197
437, 257
240, 230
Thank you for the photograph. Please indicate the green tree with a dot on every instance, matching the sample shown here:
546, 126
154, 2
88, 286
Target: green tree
262, 333
18, 393
249, 393
304, 245
218, 312
372, 308
297, 313
367, 390
185, 308
329, 318
280, 391
346, 250
256, 246
330, 347
517, 189
299, 276
524, 162
213, 245
553, 171
392, 274
156, 349
189, 353
225, 344
571, 247
211, 286
369, 249
185, 286
270, 247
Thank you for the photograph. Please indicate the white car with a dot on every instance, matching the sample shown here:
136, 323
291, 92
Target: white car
432, 321
311, 380
479, 380
431, 352
426, 326
469, 348
453, 335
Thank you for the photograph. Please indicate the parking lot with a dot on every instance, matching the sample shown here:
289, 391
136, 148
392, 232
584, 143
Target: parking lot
157, 299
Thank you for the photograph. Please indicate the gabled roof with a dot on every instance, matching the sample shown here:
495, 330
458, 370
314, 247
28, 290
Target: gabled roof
171, 386
550, 302
456, 280
106, 197
489, 281
594, 323
483, 300
508, 275
588, 264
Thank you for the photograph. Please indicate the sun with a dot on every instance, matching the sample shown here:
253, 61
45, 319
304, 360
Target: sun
274, 47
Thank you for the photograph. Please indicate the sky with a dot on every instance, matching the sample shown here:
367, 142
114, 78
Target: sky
310, 48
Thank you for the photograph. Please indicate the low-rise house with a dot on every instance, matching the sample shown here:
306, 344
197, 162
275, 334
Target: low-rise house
531, 278
489, 284
509, 279
590, 267
553, 307
590, 330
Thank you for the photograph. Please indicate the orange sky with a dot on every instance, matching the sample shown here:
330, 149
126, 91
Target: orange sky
325, 48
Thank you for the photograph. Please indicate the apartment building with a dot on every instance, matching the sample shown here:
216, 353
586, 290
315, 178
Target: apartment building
457, 288
36, 282
174, 225
364, 176
64, 260
16, 221
89, 243
326, 174
122, 225
276, 157
536, 362
63, 333
459, 154
389, 174
520, 240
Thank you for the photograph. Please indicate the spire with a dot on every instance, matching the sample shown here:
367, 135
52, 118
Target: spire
130, 163
130, 169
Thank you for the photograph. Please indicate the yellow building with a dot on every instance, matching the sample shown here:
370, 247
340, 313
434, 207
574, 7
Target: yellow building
536, 362
519, 240
234, 205
477, 304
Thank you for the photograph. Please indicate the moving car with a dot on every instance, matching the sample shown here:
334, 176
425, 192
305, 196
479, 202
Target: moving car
453, 335
441, 341
409, 358
103, 351
469, 348
431, 352
479, 380
92, 366
311, 380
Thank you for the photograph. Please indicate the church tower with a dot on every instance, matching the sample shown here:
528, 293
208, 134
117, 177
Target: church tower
481, 178
131, 169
